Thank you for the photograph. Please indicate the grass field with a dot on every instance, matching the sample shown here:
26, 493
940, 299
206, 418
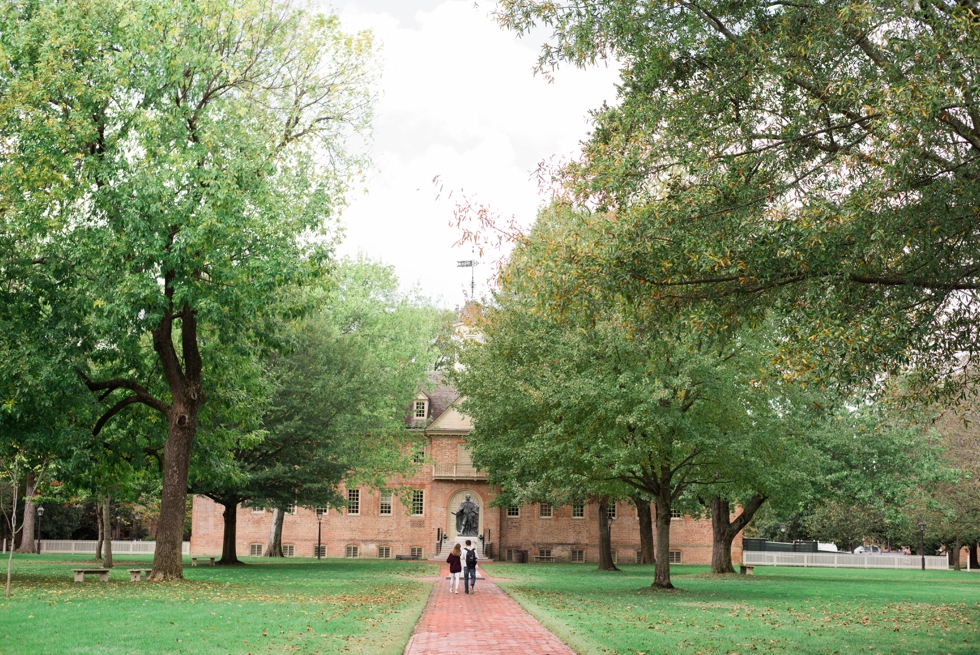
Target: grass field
286, 606
778, 610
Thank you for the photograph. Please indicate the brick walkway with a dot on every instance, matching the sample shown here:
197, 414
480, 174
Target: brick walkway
488, 621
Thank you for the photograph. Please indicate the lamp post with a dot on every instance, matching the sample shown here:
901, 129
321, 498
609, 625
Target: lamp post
782, 529
922, 543
40, 511
319, 525
136, 516
118, 527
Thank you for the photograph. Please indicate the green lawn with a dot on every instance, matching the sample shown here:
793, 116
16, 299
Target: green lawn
778, 610
293, 605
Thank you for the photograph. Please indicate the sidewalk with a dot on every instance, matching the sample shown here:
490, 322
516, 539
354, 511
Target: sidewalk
488, 621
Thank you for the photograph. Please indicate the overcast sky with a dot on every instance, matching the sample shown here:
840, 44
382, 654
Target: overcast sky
459, 101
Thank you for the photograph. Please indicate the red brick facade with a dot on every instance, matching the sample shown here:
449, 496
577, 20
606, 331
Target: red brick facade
443, 480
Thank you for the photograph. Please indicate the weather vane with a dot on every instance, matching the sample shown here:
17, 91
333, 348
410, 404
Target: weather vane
470, 264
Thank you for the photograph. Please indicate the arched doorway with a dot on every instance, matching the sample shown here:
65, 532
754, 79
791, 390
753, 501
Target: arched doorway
454, 502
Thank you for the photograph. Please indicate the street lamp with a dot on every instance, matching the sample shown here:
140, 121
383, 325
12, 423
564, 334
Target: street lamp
118, 527
40, 512
782, 529
922, 543
137, 517
319, 525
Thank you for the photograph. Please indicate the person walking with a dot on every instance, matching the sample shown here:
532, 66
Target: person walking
454, 569
469, 573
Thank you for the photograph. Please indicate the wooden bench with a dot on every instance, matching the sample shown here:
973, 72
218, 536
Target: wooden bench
194, 560
81, 573
136, 575
406, 556
544, 558
746, 570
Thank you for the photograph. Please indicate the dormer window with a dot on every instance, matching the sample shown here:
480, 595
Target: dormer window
420, 408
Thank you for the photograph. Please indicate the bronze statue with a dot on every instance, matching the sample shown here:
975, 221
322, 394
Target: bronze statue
467, 518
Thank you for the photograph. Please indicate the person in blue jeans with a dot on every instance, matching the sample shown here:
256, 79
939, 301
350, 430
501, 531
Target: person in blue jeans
469, 571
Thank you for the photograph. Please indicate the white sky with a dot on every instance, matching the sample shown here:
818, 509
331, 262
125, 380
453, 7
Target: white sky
459, 101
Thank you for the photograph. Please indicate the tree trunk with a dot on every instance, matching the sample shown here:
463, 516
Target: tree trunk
13, 528
647, 551
275, 534
661, 574
27, 543
107, 529
724, 531
605, 538
229, 539
974, 556
956, 555
101, 529
168, 563
184, 384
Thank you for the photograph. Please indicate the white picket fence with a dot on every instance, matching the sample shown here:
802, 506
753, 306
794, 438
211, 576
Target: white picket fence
843, 560
118, 547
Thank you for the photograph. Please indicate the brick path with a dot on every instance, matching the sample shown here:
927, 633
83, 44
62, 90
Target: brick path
488, 621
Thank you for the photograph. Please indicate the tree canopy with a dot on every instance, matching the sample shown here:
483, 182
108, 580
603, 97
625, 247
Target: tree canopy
336, 400
171, 169
568, 394
818, 156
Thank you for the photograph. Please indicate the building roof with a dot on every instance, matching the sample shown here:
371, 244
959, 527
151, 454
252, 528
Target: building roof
441, 397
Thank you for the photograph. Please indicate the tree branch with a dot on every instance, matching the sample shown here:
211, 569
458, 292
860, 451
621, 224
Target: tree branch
141, 394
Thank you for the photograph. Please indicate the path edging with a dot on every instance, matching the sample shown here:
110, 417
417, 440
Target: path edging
418, 617
555, 626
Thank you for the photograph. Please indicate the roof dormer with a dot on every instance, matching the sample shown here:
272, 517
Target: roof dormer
420, 407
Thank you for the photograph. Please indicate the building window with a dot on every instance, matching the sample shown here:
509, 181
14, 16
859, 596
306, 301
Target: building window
675, 514
612, 554
544, 510
384, 552
415, 551
258, 510
288, 550
321, 511
612, 511
420, 409
419, 456
578, 511
513, 511
578, 555
255, 550
291, 510
544, 552
674, 557
351, 551
418, 502
354, 501
385, 509
319, 551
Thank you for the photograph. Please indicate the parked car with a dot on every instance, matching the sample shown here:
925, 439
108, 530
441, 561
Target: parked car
824, 547
867, 550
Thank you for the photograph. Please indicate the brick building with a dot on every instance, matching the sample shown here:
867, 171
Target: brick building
382, 524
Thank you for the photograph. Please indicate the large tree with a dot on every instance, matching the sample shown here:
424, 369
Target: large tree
821, 156
175, 165
336, 400
565, 387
